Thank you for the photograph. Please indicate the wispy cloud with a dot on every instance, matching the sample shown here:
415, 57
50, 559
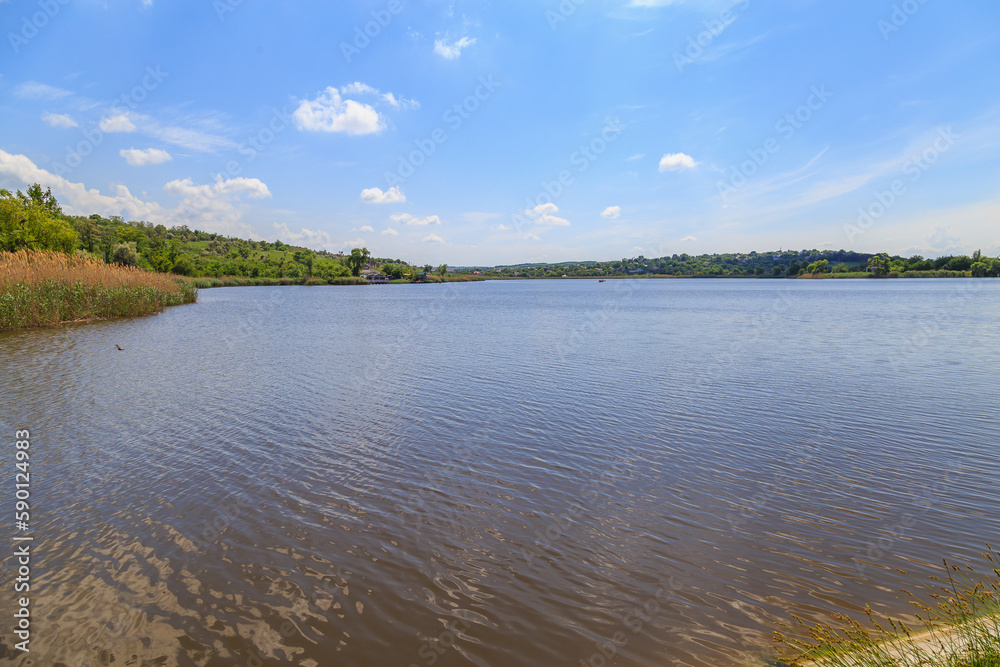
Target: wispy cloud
139, 158
32, 90
59, 120
453, 50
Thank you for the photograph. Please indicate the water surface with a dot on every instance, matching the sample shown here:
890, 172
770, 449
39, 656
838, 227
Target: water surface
500, 473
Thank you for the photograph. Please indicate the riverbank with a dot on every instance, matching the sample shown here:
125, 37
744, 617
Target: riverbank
45, 288
961, 629
231, 281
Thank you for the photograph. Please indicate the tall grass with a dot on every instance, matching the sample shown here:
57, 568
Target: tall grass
960, 628
45, 288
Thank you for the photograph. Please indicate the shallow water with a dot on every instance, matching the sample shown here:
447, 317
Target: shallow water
500, 473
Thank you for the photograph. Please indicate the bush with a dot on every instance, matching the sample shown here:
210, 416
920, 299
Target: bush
125, 255
183, 266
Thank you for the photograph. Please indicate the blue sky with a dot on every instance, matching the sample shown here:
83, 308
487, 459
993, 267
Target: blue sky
490, 133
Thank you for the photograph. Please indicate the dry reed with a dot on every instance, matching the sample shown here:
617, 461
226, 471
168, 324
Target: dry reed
45, 288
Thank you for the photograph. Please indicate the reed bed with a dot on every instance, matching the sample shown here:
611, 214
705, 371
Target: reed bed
957, 619
46, 288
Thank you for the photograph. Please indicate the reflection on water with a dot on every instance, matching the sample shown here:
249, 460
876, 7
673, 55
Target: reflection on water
503, 473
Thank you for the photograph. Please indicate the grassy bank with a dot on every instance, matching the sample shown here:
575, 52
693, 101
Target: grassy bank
207, 283
957, 624
45, 288
894, 274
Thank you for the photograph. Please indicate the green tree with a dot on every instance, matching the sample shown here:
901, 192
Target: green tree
357, 260
443, 270
126, 254
29, 224
880, 265
183, 266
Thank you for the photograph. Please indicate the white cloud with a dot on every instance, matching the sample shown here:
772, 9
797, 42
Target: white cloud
677, 162
312, 238
688, 238
140, 158
75, 198
331, 113
407, 219
433, 238
637, 156
366, 228
212, 208
119, 123
543, 215
59, 120
375, 196
612, 213
453, 50
32, 90
389, 232
188, 138
358, 88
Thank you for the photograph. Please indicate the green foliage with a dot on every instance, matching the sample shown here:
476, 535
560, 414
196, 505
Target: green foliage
183, 266
31, 222
961, 628
357, 260
125, 254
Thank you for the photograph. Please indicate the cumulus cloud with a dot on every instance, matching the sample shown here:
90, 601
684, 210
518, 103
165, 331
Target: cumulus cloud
413, 221
119, 123
59, 120
213, 208
453, 50
612, 213
543, 215
358, 88
313, 238
433, 238
689, 238
391, 196
366, 228
76, 198
389, 232
329, 112
676, 162
140, 158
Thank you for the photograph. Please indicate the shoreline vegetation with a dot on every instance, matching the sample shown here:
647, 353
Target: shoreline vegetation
959, 626
61, 268
40, 288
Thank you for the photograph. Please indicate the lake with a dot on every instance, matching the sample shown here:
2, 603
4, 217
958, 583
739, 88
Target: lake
543, 473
